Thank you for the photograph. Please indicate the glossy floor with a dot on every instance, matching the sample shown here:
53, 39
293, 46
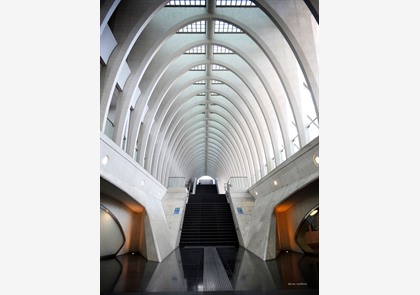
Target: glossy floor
210, 270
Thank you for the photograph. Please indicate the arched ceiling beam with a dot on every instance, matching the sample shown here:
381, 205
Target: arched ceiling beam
198, 128
242, 120
178, 124
235, 94
126, 31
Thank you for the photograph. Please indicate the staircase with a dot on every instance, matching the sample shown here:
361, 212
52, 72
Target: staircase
208, 220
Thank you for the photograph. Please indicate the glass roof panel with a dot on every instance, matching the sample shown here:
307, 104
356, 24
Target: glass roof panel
197, 27
235, 3
215, 67
187, 3
223, 27
201, 49
221, 50
199, 68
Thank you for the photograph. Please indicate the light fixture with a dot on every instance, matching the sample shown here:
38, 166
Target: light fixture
316, 160
256, 193
142, 182
105, 160
275, 182
315, 211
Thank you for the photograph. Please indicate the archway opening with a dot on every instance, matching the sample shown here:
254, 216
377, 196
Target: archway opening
206, 180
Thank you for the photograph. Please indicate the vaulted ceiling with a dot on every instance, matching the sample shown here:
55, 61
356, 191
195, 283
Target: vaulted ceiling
209, 87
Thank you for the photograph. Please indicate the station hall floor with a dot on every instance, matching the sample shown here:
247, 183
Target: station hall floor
210, 270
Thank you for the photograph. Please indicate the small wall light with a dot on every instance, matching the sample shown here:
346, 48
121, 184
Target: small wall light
275, 182
315, 211
105, 160
316, 160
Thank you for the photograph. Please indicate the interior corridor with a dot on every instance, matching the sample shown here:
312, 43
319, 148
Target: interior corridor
211, 270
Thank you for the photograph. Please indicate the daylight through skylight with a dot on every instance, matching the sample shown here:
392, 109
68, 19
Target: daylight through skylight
242, 3
223, 27
221, 50
197, 27
187, 3
218, 68
199, 68
197, 50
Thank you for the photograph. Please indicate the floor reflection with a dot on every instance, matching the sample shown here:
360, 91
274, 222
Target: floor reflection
184, 270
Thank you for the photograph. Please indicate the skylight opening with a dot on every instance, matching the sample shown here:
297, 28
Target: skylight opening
199, 68
193, 3
309, 116
197, 50
223, 27
197, 27
201, 82
215, 67
235, 3
221, 50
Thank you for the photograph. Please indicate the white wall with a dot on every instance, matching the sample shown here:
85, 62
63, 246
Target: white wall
127, 175
257, 225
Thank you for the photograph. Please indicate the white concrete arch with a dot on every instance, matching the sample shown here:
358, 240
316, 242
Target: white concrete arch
275, 91
266, 42
209, 132
198, 147
302, 140
211, 147
126, 31
156, 122
287, 147
244, 120
294, 20
199, 126
232, 125
260, 86
253, 111
223, 126
185, 138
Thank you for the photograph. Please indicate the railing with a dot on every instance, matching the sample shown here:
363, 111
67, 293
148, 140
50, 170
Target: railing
174, 181
237, 181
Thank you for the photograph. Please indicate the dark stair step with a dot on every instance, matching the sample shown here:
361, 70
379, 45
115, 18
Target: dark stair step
208, 219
